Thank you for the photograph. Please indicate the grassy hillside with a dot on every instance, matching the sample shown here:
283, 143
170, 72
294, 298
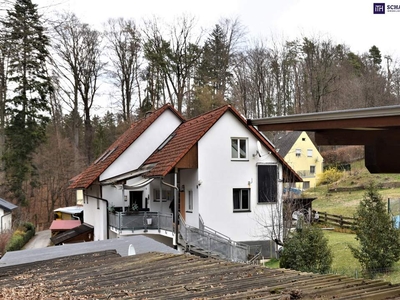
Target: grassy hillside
331, 198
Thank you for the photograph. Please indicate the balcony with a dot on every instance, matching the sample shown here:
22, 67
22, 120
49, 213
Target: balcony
306, 173
140, 222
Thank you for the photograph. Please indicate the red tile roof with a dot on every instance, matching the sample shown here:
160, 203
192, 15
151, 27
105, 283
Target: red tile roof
190, 132
90, 174
185, 137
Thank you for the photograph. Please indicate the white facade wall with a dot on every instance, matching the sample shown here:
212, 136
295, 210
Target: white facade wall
144, 146
219, 174
6, 220
189, 179
95, 212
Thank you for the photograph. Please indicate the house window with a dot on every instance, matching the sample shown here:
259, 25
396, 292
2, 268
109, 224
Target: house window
241, 199
298, 152
306, 185
267, 183
309, 152
239, 148
312, 169
190, 201
166, 195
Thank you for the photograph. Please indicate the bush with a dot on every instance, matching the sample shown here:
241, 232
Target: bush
329, 176
20, 237
343, 155
379, 240
307, 250
16, 243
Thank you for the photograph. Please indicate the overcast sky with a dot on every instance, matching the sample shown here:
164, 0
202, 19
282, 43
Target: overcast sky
344, 21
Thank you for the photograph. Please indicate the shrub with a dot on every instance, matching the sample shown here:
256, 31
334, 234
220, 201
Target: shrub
329, 176
16, 243
29, 226
307, 250
379, 240
20, 237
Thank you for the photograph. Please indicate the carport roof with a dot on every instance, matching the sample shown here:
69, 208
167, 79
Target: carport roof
377, 128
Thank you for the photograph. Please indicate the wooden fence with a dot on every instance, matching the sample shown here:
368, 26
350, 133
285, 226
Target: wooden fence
336, 220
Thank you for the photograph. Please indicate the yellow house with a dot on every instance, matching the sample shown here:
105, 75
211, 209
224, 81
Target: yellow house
300, 153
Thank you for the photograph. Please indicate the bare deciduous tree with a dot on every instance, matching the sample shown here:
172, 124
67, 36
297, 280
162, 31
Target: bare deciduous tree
79, 64
124, 44
175, 57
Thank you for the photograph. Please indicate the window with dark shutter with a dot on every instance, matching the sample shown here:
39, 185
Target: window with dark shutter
267, 183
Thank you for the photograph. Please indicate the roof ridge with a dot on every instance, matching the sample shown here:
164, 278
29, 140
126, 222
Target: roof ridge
225, 106
94, 170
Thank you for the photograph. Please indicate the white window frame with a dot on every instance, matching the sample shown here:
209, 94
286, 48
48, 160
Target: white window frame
298, 152
309, 152
241, 209
238, 141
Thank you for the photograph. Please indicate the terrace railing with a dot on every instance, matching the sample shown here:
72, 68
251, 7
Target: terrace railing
140, 220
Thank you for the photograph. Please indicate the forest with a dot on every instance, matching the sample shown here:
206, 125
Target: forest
69, 89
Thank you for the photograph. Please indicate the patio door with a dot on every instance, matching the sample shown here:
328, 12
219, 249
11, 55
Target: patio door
136, 196
182, 205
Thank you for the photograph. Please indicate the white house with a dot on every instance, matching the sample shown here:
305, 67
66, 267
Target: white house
224, 175
6, 209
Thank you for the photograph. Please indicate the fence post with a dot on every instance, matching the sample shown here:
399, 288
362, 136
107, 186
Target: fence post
341, 222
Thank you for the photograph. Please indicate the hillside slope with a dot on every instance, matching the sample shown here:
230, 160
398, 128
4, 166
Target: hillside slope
343, 196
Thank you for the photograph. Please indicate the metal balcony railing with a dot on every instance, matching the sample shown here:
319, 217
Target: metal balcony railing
140, 220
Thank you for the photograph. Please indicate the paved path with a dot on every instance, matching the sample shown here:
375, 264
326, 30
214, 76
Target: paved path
40, 240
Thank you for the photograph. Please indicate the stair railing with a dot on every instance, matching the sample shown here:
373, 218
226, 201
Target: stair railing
210, 242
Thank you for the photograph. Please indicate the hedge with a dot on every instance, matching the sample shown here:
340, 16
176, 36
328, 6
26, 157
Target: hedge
21, 236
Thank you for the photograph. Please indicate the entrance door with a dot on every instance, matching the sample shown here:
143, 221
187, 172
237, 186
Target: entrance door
136, 196
182, 204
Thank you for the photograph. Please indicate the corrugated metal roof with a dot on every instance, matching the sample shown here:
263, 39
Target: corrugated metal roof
7, 205
106, 275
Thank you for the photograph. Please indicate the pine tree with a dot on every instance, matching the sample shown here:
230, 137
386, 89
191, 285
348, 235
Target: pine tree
379, 241
27, 106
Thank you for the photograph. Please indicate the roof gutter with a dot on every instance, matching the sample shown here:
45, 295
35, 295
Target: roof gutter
383, 111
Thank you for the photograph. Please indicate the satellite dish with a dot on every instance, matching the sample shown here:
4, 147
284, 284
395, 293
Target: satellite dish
131, 250
259, 149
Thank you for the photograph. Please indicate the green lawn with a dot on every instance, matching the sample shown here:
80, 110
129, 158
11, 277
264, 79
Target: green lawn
343, 261
345, 204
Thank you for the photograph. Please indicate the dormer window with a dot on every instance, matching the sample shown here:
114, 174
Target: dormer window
239, 148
